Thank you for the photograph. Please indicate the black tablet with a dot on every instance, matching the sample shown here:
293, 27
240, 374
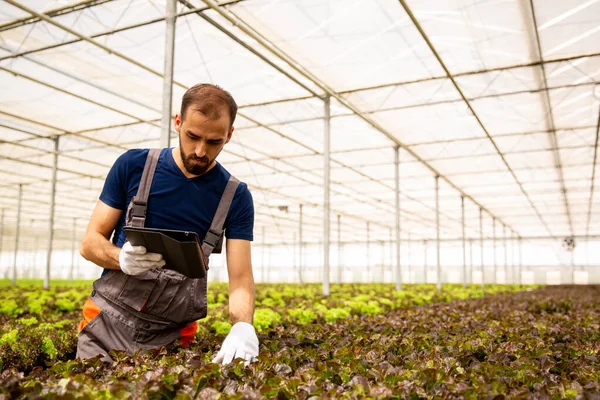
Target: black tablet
181, 250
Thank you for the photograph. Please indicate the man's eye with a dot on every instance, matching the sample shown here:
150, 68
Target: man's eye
215, 142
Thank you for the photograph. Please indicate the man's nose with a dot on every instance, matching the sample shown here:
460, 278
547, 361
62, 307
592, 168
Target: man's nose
200, 149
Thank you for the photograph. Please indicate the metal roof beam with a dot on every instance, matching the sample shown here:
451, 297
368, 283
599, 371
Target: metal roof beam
589, 215
535, 49
180, 84
429, 79
529, 151
55, 12
468, 104
437, 103
97, 35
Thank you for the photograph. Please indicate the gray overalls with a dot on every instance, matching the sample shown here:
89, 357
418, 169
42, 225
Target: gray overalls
150, 309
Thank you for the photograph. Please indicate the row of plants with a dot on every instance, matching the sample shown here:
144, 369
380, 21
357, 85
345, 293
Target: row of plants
542, 343
38, 327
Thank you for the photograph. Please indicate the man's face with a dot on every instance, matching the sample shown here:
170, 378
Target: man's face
201, 140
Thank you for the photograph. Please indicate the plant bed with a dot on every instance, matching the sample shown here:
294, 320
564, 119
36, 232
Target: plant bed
536, 344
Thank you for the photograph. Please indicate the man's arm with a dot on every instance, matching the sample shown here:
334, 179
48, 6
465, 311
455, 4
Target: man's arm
96, 246
241, 281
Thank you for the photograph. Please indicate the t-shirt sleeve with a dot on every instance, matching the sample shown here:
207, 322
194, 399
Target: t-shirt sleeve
114, 192
240, 221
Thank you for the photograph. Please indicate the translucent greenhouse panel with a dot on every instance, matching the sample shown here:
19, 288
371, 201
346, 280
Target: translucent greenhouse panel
211, 56
383, 158
285, 111
574, 107
511, 113
581, 71
430, 123
34, 36
339, 57
11, 13
78, 86
565, 28
306, 163
455, 149
491, 179
279, 147
493, 83
351, 133
478, 164
309, 134
582, 140
229, 160
110, 16
578, 157
533, 159
121, 138
518, 143
378, 172
108, 70
476, 36
15, 126
404, 95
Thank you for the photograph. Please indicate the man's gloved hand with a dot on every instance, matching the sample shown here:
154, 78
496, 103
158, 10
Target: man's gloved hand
241, 342
134, 259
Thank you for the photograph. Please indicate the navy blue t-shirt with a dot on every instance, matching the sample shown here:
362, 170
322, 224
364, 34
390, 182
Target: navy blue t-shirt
175, 201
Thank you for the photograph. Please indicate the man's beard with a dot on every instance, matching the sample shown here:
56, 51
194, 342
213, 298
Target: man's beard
191, 166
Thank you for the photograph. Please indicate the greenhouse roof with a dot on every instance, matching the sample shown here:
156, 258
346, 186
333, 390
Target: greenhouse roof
499, 98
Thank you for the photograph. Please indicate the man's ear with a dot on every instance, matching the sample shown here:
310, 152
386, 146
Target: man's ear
229, 134
177, 122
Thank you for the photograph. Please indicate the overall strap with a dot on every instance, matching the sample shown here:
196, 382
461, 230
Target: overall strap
136, 213
216, 227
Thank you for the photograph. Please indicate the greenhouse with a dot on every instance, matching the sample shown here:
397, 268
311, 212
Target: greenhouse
422, 177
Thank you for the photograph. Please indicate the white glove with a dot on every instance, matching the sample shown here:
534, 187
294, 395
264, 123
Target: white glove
134, 259
241, 342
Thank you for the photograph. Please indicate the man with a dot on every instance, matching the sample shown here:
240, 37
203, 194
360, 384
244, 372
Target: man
139, 302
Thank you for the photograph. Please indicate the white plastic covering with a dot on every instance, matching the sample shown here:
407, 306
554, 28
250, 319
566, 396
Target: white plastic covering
523, 127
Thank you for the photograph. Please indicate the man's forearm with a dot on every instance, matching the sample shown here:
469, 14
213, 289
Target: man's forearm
99, 250
241, 303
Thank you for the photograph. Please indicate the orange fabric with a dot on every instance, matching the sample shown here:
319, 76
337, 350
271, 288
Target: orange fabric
90, 311
188, 333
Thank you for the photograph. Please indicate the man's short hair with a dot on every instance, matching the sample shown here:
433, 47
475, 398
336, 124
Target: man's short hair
210, 100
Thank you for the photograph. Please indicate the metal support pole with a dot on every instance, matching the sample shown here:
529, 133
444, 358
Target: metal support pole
437, 228
425, 263
392, 269
165, 131
17, 233
397, 216
300, 249
495, 280
326, 190
505, 255
464, 243
51, 219
73, 251
481, 237
36, 244
513, 254
2, 238
263, 257
339, 246
294, 252
520, 261
471, 261
572, 266
408, 269
369, 271
382, 265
